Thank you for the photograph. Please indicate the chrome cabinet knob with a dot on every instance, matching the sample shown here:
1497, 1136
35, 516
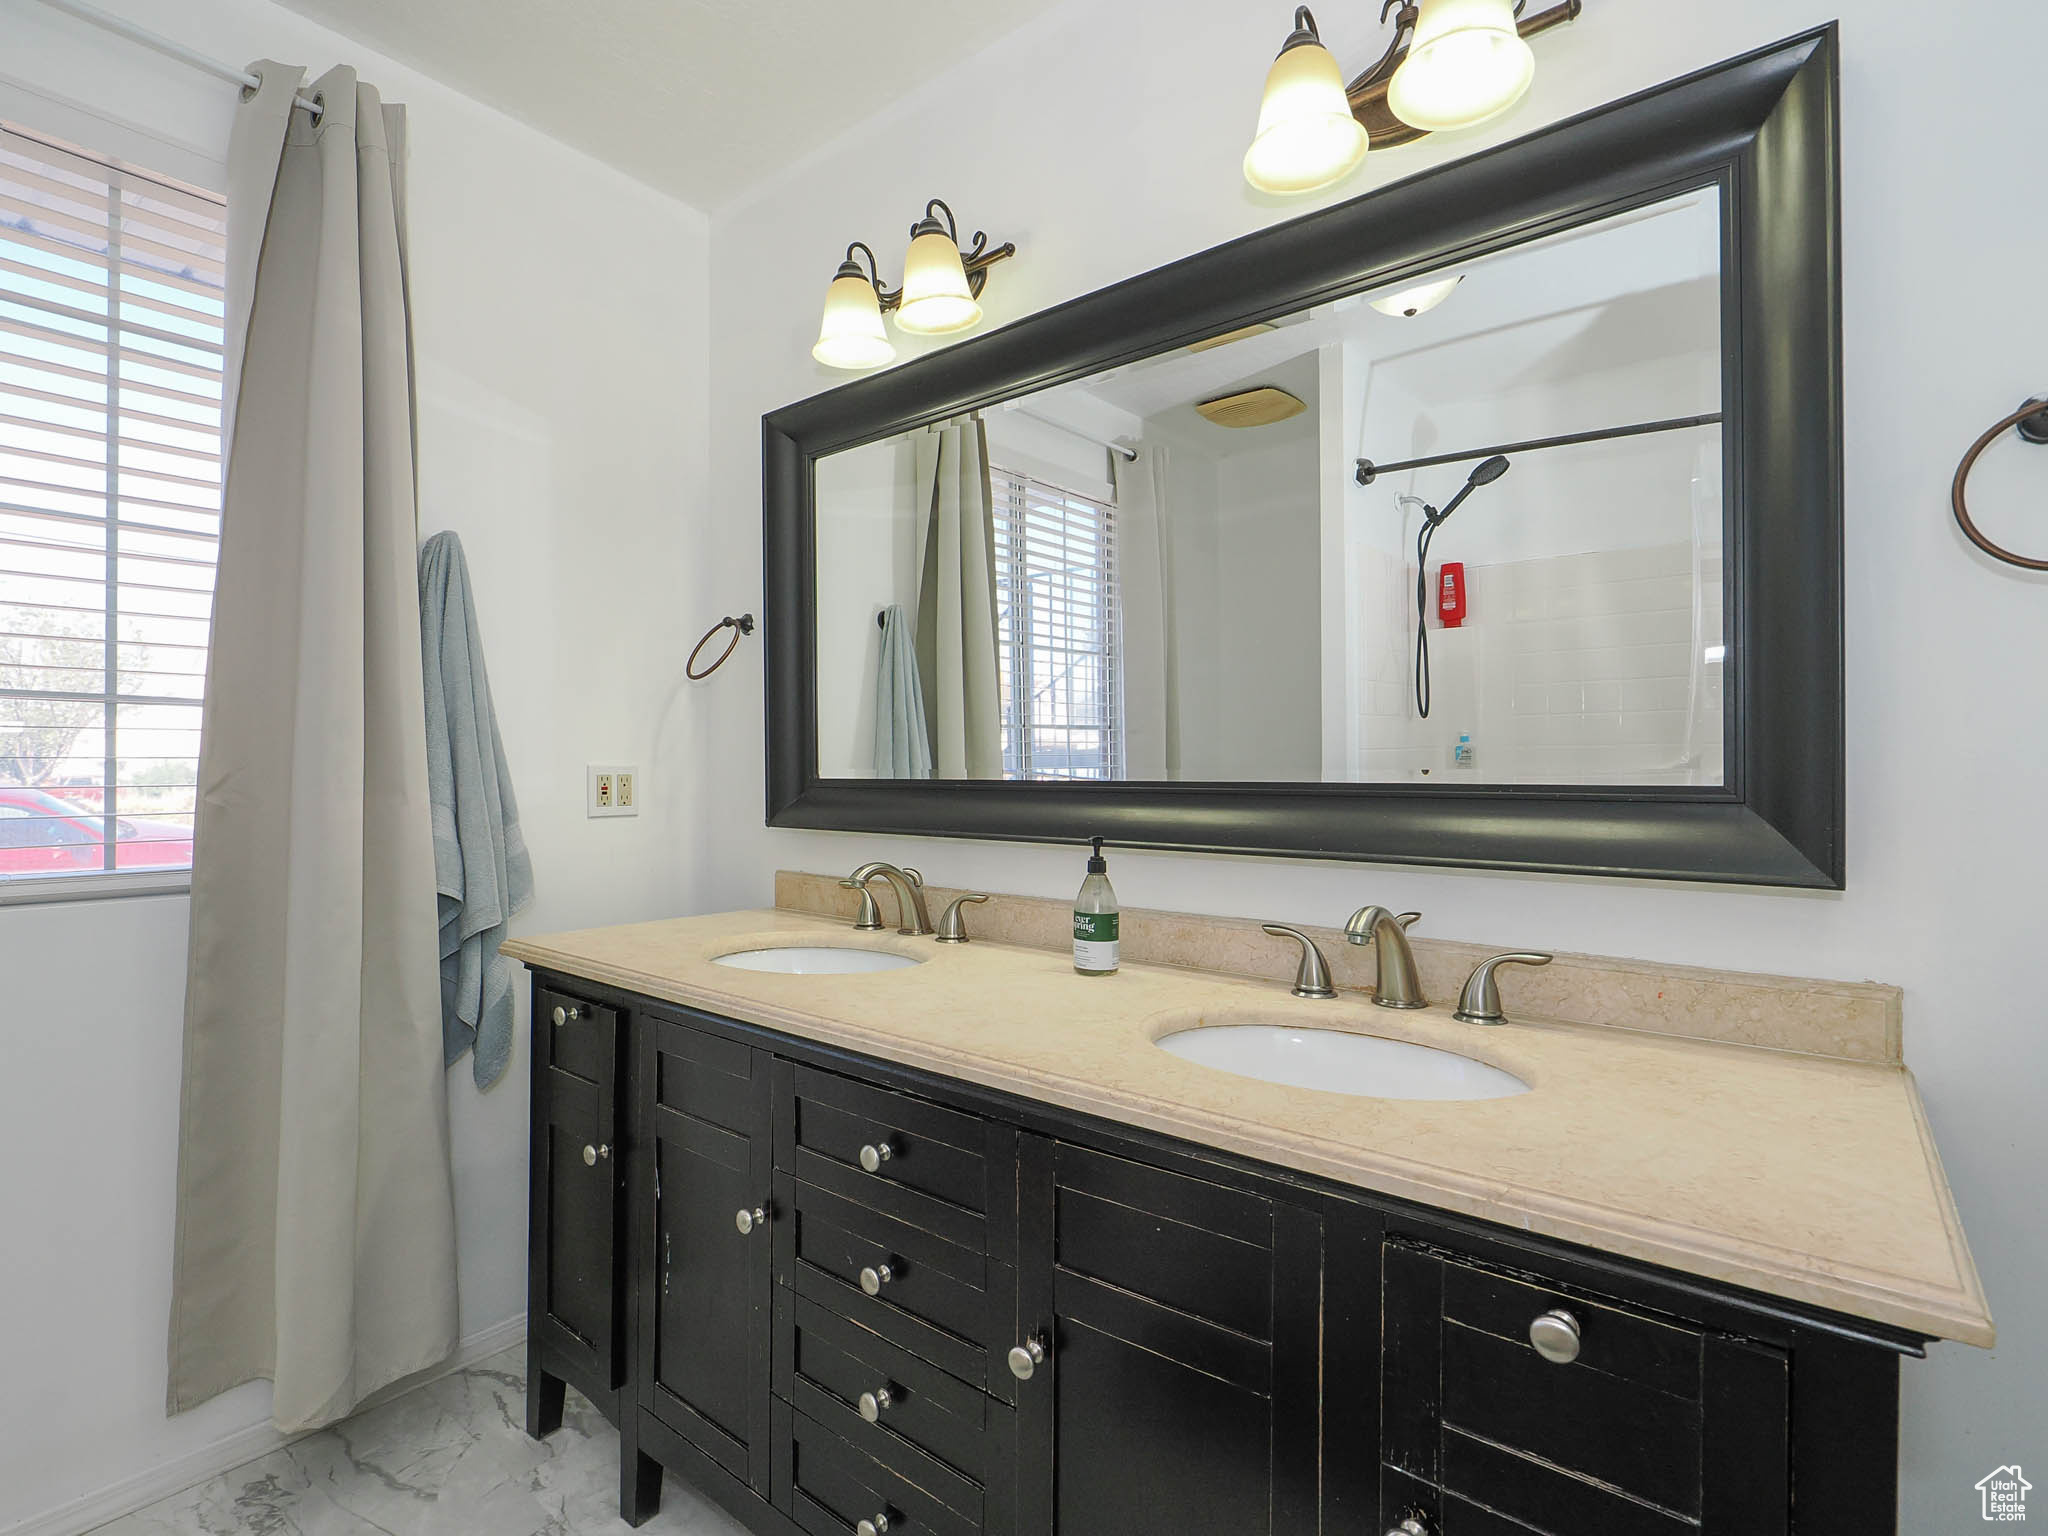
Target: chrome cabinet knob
746, 1221
1556, 1336
874, 1404
1027, 1358
875, 1154
567, 1015
1412, 1526
875, 1525
873, 1279
592, 1154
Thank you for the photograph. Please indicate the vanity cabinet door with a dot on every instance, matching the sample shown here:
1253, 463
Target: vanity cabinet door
703, 1242
1176, 1324
576, 1190
1509, 1407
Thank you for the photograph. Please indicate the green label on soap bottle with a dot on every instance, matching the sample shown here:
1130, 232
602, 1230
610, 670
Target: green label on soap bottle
1096, 927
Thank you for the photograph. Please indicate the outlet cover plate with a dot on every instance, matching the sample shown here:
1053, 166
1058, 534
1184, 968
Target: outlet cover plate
611, 789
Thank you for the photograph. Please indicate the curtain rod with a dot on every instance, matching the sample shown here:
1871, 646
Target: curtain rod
1368, 471
1129, 455
164, 45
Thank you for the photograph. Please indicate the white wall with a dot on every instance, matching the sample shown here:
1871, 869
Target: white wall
562, 330
1106, 139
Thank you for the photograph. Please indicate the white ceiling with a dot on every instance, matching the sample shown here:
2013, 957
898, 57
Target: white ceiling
696, 97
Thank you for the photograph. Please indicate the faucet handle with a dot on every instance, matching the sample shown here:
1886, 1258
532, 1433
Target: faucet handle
953, 926
913, 874
869, 919
1365, 919
1479, 1003
1313, 977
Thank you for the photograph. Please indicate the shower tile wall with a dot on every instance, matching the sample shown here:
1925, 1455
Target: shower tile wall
1575, 669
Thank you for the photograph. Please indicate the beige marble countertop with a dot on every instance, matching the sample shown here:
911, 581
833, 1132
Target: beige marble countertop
1799, 1176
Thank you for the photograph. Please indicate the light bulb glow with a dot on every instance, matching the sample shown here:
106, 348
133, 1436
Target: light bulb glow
1466, 63
1407, 303
1307, 137
936, 298
851, 335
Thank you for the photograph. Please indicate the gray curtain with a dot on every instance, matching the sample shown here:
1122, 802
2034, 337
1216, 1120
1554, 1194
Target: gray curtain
316, 1234
956, 602
903, 748
1145, 603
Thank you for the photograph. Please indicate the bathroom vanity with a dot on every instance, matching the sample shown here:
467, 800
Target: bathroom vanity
955, 1248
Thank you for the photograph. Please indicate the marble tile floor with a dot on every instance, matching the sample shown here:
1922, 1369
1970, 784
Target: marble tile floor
447, 1459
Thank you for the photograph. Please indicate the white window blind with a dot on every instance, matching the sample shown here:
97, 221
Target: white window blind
111, 306
1057, 631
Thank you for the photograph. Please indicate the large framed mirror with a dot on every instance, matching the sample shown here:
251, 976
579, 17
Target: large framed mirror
1491, 518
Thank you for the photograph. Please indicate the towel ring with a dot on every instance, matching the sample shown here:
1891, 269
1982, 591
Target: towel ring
2032, 421
743, 625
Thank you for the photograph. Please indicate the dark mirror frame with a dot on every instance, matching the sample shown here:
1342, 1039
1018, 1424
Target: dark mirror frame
1763, 129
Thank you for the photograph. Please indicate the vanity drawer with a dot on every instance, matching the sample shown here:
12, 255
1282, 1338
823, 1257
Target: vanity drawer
958, 1435
832, 1487
584, 1045
943, 1301
934, 1166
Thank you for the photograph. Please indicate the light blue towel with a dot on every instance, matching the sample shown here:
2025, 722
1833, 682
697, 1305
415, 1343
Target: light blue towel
480, 861
903, 747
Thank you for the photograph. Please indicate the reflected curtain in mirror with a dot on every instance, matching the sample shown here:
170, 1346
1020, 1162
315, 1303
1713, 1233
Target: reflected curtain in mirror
1150, 718
956, 602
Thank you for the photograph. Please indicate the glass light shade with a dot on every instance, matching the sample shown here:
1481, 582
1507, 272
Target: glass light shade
1419, 300
1465, 64
1307, 137
852, 334
936, 298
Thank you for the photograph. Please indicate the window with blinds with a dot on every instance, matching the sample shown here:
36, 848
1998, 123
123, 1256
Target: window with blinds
111, 306
1057, 631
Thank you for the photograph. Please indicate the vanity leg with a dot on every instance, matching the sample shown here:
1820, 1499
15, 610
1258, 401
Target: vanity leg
639, 1474
544, 1400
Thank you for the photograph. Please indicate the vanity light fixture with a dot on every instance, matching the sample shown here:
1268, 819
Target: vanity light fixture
1452, 64
940, 295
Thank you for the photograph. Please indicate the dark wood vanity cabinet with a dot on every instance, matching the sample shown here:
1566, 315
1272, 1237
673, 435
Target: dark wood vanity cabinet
575, 1277
847, 1299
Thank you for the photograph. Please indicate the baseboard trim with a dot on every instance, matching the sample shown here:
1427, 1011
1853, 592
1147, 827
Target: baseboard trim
76, 1516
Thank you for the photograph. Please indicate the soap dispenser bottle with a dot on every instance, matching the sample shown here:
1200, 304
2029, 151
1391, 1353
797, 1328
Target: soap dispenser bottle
1096, 920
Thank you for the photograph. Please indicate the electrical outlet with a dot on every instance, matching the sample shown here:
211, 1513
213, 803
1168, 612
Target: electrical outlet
611, 791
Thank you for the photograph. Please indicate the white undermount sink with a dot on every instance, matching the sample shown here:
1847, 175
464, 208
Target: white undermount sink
1340, 1062
816, 960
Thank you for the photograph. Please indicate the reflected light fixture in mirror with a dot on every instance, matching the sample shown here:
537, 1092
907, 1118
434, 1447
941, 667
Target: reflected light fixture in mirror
1467, 63
1307, 137
852, 335
1407, 303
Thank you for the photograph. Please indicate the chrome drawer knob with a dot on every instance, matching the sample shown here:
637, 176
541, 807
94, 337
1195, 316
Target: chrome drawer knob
874, 1404
567, 1015
592, 1154
1027, 1358
1556, 1336
1412, 1526
746, 1221
874, 1155
873, 1279
877, 1526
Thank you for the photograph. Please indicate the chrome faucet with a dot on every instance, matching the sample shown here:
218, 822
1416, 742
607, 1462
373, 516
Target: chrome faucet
1398, 985
1312, 977
912, 916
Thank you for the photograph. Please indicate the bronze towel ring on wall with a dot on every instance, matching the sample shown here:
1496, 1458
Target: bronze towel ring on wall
743, 625
2032, 421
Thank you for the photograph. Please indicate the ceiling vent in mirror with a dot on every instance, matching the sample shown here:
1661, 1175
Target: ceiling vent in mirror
1259, 407
1228, 337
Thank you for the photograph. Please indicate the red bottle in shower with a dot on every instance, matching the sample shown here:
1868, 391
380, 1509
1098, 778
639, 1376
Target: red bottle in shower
1450, 594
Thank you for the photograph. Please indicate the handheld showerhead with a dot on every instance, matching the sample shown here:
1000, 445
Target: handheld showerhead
1485, 473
